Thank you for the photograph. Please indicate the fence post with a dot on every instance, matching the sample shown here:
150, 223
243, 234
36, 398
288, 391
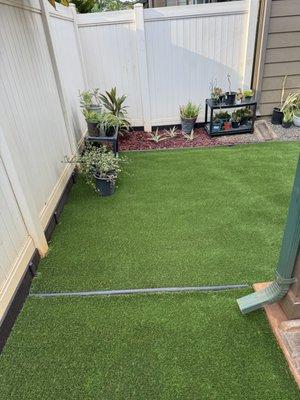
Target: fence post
57, 74
253, 7
142, 65
29, 215
73, 8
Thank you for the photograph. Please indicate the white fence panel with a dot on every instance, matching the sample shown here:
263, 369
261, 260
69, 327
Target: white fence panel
36, 133
69, 62
185, 47
108, 43
31, 115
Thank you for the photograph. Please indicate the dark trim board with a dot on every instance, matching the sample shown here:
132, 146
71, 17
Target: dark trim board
24, 287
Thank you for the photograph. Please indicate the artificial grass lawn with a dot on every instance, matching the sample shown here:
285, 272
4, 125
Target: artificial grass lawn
167, 347
187, 217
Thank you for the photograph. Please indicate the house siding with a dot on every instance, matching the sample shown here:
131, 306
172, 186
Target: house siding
282, 56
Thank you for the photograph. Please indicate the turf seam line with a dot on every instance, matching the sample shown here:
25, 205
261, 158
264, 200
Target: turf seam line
120, 292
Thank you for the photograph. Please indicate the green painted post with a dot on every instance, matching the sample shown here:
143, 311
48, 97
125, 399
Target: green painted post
286, 262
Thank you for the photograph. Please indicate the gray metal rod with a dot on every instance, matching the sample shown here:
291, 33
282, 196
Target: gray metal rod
121, 292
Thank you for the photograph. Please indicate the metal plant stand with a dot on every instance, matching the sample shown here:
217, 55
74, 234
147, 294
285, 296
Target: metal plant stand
247, 128
103, 139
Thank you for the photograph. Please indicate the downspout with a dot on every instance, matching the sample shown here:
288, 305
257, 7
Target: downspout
288, 254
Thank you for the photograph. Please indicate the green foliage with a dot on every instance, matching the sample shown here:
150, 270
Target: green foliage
112, 5
248, 93
113, 103
189, 136
235, 117
222, 116
171, 133
189, 110
297, 113
99, 162
156, 137
89, 98
91, 116
288, 115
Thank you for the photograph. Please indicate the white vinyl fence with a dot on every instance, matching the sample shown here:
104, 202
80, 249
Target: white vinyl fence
163, 57
160, 58
40, 124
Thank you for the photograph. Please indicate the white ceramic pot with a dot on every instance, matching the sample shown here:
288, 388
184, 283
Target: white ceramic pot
296, 120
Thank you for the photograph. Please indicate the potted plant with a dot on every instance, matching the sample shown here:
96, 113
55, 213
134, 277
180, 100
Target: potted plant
222, 116
227, 126
110, 124
90, 100
92, 119
216, 93
248, 94
216, 125
277, 113
229, 96
239, 96
100, 168
235, 120
287, 119
189, 114
296, 117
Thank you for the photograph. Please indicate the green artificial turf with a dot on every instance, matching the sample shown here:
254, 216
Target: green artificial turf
187, 217
165, 347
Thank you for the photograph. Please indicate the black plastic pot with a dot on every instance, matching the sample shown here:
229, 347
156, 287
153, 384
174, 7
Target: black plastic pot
244, 120
230, 98
287, 124
111, 131
277, 116
93, 129
221, 98
104, 187
188, 124
235, 124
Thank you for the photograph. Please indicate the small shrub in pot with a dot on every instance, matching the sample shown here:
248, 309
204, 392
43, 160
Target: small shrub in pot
235, 120
287, 119
216, 94
90, 100
248, 94
188, 115
100, 167
92, 120
230, 95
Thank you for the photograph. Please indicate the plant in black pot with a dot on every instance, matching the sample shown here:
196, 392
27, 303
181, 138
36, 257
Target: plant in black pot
188, 115
287, 119
230, 95
100, 168
222, 116
277, 114
110, 124
216, 94
92, 119
235, 120
90, 100
248, 94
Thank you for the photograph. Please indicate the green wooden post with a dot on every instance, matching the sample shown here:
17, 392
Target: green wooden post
287, 258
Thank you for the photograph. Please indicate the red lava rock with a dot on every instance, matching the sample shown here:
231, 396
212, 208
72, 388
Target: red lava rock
139, 140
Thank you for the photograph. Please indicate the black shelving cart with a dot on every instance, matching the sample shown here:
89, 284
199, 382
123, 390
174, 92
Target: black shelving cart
246, 128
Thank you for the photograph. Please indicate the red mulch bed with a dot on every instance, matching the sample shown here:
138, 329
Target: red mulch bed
139, 140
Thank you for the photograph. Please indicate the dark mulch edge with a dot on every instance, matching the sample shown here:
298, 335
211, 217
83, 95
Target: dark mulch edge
139, 141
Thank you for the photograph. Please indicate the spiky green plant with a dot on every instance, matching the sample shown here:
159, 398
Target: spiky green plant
190, 110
